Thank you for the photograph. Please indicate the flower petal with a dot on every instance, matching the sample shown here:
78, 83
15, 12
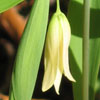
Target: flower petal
66, 40
58, 81
60, 49
66, 30
51, 54
67, 72
49, 77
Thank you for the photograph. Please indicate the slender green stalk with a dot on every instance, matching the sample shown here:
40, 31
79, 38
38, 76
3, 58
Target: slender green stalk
58, 6
86, 50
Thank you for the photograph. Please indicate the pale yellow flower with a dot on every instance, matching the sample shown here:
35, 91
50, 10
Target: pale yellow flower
56, 59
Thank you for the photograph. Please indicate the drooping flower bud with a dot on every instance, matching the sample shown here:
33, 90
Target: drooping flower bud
56, 59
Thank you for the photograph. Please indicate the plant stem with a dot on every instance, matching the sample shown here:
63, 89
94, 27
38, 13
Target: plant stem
86, 49
58, 6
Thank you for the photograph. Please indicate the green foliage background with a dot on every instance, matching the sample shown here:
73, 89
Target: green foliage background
6, 4
32, 42
75, 16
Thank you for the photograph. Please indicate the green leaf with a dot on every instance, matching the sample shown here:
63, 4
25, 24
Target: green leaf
75, 16
29, 52
6, 4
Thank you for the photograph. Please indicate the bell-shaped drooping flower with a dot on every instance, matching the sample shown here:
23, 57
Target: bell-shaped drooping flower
56, 59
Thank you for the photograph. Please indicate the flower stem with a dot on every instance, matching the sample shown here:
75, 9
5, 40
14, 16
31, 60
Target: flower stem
58, 6
86, 50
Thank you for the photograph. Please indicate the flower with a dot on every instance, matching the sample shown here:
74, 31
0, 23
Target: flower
56, 59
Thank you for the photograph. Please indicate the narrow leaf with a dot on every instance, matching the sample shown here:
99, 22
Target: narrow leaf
29, 52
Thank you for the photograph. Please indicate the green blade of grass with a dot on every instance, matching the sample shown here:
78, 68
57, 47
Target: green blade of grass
29, 52
6, 4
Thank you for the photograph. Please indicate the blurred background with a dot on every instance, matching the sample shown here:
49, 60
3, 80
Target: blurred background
12, 23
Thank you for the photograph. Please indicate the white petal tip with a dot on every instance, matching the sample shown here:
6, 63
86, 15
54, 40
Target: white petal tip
73, 80
70, 77
57, 93
44, 89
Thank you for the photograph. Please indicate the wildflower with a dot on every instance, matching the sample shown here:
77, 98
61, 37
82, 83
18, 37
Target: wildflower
56, 59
